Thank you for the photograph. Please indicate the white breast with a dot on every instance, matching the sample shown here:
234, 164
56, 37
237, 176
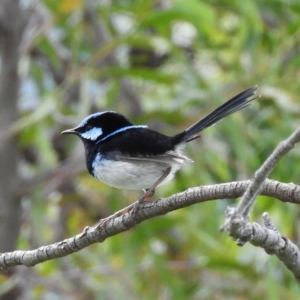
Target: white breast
131, 176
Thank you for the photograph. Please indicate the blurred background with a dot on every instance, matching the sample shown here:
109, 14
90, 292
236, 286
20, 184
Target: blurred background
162, 63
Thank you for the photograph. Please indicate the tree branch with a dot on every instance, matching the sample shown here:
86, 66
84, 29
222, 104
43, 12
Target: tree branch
264, 171
237, 219
101, 36
11, 28
90, 235
13, 19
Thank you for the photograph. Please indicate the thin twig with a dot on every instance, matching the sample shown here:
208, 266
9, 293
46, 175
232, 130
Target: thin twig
244, 206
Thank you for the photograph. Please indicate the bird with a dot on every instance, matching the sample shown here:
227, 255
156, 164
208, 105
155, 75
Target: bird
135, 157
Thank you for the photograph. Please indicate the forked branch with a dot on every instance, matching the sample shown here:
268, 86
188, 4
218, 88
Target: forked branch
268, 237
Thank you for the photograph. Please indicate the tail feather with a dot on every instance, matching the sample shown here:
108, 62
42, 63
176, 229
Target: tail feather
233, 105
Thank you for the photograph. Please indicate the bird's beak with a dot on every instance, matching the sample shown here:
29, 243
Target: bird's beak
70, 131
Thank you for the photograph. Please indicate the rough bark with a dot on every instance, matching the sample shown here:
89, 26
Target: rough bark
265, 236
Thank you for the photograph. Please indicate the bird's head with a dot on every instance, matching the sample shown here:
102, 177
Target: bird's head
99, 126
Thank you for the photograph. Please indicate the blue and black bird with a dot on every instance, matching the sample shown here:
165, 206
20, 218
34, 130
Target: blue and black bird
134, 157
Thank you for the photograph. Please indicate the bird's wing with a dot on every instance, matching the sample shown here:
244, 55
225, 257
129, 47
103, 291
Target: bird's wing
170, 158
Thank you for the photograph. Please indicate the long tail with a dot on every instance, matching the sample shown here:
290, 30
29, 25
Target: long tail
231, 106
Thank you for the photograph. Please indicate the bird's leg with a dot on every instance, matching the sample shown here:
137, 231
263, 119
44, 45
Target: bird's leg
135, 206
149, 192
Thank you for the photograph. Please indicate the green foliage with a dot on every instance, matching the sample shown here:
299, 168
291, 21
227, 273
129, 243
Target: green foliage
230, 45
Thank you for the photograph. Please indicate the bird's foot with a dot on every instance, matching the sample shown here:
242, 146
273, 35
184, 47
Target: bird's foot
135, 209
137, 205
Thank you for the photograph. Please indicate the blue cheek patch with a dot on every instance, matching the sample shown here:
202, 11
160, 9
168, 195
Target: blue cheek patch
92, 134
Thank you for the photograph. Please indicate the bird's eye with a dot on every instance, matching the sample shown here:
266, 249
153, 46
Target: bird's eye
89, 127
